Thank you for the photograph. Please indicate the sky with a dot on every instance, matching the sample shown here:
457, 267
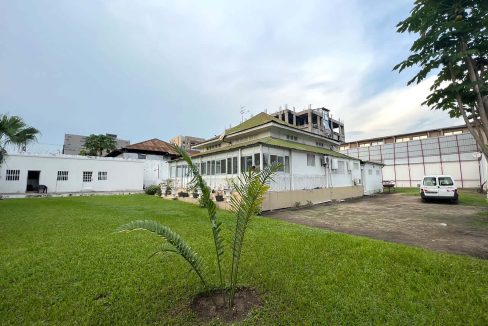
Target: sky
146, 69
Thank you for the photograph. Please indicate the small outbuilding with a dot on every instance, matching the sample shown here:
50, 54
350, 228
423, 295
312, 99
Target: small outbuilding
61, 174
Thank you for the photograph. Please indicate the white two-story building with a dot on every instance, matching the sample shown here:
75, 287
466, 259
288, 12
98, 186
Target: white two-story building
312, 170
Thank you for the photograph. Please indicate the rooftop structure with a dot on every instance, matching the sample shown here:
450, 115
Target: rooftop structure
318, 121
186, 142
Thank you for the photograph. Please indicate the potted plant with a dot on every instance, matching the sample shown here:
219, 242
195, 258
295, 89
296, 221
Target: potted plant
168, 191
219, 196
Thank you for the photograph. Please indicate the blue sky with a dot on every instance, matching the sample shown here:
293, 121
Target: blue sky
156, 69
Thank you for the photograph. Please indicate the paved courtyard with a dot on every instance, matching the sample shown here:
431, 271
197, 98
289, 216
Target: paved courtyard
401, 218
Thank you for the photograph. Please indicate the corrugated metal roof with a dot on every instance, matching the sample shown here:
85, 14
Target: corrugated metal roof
153, 145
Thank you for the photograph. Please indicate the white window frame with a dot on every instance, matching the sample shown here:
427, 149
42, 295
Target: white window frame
62, 176
310, 159
102, 175
87, 176
12, 175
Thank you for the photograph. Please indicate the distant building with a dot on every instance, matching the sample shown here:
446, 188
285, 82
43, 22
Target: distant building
156, 154
187, 142
74, 143
408, 157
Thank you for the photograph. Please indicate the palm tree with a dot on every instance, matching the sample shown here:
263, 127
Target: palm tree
14, 131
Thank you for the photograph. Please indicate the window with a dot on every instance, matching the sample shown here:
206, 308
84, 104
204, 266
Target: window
401, 140
287, 164
229, 165
87, 176
212, 170
430, 181
344, 147
62, 176
203, 168
319, 144
265, 160
370, 172
377, 172
282, 163
340, 167
12, 175
257, 160
445, 181
217, 167
234, 165
356, 166
102, 175
365, 145
141, 156
310, 160
450, 133
208, 168
222, 167
290, 137
419, 137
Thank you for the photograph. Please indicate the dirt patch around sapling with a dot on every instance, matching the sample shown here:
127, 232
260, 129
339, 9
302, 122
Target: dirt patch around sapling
213, 304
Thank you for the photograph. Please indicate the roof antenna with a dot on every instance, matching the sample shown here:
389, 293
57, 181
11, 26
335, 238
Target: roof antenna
243, 111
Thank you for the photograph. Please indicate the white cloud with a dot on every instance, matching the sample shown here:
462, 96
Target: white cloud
396, 110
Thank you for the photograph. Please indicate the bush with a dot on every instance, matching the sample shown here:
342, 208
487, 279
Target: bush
153, 190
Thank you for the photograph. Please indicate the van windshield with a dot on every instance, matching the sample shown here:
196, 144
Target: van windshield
430, 181
445, 181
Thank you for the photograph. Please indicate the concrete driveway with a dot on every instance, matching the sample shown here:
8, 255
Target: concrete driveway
401, 218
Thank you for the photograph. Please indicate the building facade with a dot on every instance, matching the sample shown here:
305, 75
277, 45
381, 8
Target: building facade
73, 144
155, 154
186, 142
309, 162
25, 173
408, 157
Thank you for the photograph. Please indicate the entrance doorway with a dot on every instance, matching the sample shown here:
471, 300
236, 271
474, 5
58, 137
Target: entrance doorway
33, 181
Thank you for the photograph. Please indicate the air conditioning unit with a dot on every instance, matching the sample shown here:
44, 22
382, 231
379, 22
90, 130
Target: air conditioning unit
324, 160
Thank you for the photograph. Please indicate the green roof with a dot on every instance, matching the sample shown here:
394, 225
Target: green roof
271, 141
258, 120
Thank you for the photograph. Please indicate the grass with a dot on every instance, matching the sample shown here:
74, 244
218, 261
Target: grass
469, 197
61, 263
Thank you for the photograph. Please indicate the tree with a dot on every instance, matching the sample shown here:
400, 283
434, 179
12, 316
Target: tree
96, 144
453, 42
14, 131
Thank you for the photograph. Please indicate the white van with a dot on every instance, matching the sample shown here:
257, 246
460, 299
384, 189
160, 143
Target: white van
438, 187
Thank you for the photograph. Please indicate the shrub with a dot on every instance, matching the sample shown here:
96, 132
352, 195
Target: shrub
153, 190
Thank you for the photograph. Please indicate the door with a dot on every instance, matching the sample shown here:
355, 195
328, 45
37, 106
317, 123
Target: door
430, 186
446, 187
87, 181
33, 181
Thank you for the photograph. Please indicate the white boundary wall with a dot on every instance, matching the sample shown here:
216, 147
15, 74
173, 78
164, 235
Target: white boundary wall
407, 162
122, 175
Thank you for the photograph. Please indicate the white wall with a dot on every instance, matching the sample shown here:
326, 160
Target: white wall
156, 168
372, 179
122, 174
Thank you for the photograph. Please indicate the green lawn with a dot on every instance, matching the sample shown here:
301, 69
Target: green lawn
61, 263
468, 197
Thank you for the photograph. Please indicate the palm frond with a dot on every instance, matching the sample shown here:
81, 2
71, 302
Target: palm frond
251, 188
175, 241
197, 181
